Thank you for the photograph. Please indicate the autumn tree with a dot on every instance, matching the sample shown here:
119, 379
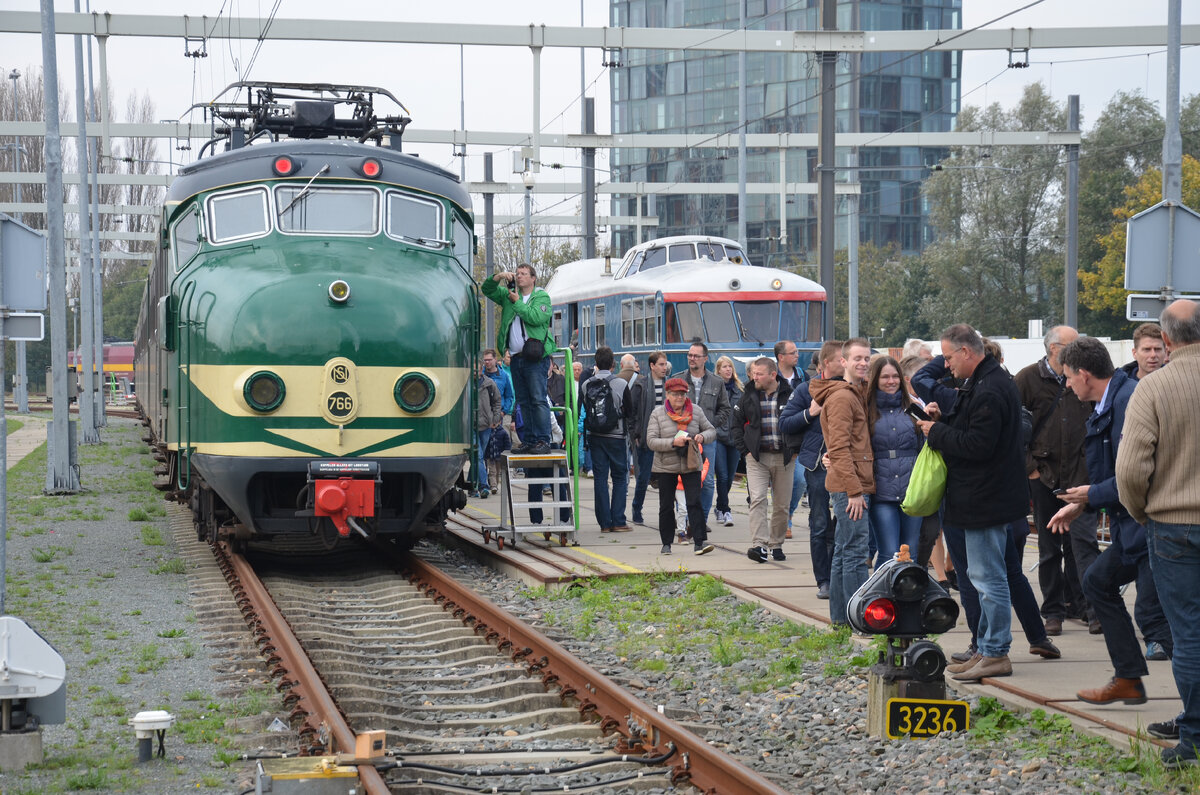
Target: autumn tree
996, 210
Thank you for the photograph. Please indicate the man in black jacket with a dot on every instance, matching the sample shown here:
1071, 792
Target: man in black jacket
755, 431
985, 484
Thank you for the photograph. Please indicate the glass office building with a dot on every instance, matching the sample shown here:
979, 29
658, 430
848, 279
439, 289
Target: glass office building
697, 91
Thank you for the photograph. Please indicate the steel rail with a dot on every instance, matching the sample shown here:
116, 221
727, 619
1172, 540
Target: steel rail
306, 694
644, 730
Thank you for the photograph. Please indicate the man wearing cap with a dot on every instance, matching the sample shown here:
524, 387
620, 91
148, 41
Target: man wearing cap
755, 431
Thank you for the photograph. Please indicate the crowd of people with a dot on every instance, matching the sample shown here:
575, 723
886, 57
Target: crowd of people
1090, 450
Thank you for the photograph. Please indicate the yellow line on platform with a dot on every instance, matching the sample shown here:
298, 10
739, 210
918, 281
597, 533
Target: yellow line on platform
608, 560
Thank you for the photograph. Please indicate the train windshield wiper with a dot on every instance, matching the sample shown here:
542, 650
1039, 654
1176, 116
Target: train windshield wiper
305, 191
746, 333
422, 241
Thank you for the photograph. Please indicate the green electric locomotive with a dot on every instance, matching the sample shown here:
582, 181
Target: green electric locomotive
305, 346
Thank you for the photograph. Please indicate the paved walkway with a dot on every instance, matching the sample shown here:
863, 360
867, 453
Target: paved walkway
789, 589
27, 438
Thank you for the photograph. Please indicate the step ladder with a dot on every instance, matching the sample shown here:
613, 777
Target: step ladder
518, 473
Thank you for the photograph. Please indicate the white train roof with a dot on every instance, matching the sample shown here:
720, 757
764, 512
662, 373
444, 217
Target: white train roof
693, 278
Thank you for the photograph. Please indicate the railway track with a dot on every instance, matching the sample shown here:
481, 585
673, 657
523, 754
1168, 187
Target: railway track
469, 696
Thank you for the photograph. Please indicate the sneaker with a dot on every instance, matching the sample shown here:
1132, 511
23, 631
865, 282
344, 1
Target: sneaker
666, 550
1177, 757
682, 536
823, 590
704, 549
1156, 651
521, 449
484, 494
728, 519
757, 554
803, 500
541, 448
474, 494
1164, 730
777, 553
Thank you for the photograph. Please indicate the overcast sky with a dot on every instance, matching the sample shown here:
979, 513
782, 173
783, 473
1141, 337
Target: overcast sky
498, 80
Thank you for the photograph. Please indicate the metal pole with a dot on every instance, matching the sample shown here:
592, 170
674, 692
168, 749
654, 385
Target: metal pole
825, 167
1172, 172
536, 160
3, 445
1071, 277
59, 475
852, 253
489, 246
589, 181
87, 362
21, 387
98, 308
528, 219
741, 166
462, 112
782, 199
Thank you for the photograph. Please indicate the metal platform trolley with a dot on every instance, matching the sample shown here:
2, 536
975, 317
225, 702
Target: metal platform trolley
558, 470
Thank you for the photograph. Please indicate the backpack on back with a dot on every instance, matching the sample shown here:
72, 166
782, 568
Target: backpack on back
600, 407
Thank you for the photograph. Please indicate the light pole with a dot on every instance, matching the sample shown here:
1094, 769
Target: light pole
527, 177
14, 76
20, 387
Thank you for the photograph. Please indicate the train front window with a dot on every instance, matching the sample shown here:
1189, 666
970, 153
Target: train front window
691, 326
710, 251
758, 321
238, 215
792, 325
681, 252
414, 220
327, 211
186, 238
655, 257
718, 319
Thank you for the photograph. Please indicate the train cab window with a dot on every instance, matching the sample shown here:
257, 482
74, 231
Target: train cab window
816, 320
718, 320
792, 322
414, 220
185, 238
464, 249
690, 323
238, 215
327, 211
655, 257
758, 321
681, 252
601, 329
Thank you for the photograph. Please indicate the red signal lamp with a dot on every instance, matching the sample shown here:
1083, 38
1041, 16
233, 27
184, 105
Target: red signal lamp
370, 168
283, 166
880, 615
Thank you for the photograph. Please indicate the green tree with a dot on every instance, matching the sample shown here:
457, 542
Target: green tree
997, 212
891, 291
1102, 288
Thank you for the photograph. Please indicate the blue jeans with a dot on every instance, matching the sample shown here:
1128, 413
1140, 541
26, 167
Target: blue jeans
985, 552
645, 463
1175, 560
708, 487
726, 457
799, 488
820, 523
608, 458
529, 382
1020, 592
481, 442
848, 570
892, 528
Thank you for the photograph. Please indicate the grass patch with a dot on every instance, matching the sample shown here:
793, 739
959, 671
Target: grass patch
172, 566
138, 515
151, 536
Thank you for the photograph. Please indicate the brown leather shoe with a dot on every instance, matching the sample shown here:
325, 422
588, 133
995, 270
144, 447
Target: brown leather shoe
986, 667
621, 528
1094, 627
1054, 626
966, 665
1129, 691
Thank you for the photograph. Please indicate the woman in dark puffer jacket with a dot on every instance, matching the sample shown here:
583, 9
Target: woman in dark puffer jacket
896, 441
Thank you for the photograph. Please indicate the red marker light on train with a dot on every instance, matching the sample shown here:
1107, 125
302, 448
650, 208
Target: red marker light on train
370, 168
283, 166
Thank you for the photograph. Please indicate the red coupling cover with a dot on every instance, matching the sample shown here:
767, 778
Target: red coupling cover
344, 497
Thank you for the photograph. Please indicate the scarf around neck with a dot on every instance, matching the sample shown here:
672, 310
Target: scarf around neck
683, 418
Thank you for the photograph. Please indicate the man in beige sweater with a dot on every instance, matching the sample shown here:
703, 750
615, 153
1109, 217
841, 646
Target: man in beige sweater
1156, 478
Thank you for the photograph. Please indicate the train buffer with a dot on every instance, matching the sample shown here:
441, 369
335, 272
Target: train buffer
523, 480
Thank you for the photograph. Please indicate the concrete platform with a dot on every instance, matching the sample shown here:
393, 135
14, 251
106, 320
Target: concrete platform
788, 588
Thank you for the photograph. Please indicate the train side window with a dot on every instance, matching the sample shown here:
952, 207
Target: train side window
556, 328
185, 238
464, 249
627, 323
691, 326
585, 328
601, 329
327, 211
672, 323
652, 312
238, 216
681, 252
414, 220
718, 319
816, 320
638, 312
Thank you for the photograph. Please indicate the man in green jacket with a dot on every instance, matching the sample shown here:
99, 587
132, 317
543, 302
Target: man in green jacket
524, 325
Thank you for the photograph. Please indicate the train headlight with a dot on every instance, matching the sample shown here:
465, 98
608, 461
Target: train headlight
339, 291
776, 284
370, 168
263, 391
283, 166
414, 392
